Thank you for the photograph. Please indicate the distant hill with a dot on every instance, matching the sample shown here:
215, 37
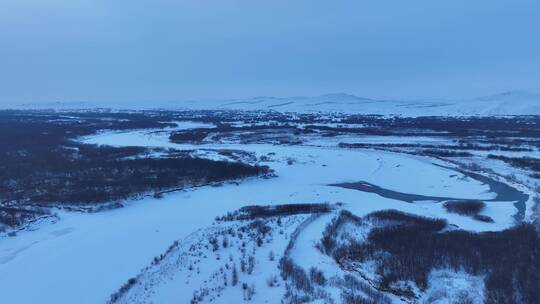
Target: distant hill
507, 103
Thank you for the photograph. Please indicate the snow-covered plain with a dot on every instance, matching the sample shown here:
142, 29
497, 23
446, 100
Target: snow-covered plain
84, 258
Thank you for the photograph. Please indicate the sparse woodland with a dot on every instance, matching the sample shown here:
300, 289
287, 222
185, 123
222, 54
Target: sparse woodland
42, 166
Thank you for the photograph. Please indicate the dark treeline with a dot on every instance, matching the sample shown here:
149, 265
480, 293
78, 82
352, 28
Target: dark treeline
445, 153
254, 212
329, 241
101, 176
498, 133
296, 274
190, 136
493, 127
470, 208
285, 210
529, 163
409, 248
467, 207
42, 165
32, 129
14, 216
218, 117
440, 148
197, 135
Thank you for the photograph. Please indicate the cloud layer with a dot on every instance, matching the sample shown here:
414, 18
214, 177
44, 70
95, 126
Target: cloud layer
141, 51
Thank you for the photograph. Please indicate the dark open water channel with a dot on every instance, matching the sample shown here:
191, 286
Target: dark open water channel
504, 192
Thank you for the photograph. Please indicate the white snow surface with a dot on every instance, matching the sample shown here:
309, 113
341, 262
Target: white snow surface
450, 287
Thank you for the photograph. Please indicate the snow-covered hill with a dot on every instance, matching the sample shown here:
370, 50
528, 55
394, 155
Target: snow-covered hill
507, 103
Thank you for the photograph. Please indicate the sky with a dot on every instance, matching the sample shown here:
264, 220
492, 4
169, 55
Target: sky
136, 51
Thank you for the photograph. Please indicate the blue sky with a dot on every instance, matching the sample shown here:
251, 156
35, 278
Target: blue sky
163, 50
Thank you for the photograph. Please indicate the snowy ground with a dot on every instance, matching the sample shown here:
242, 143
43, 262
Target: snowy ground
94, 254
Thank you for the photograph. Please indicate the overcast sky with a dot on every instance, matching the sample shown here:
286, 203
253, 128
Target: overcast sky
162, 50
